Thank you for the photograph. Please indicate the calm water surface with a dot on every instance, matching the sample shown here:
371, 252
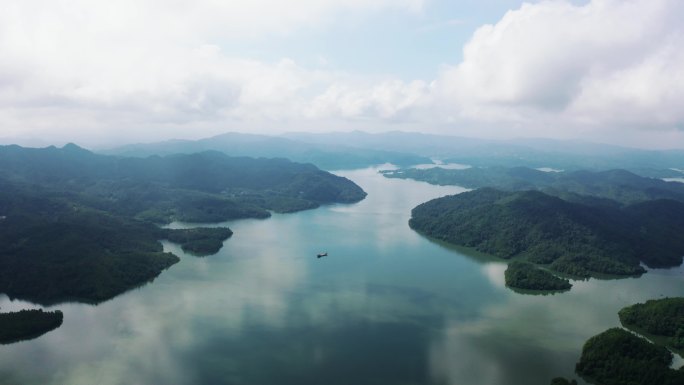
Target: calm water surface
387, 306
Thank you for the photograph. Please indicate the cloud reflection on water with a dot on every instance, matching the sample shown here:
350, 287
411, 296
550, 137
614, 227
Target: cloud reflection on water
387, 302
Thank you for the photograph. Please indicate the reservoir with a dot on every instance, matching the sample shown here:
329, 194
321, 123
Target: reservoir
385, 306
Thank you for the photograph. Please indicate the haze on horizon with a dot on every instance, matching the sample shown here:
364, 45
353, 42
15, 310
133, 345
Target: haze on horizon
100, 73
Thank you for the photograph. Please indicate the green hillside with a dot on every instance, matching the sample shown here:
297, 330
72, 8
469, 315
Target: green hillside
79, 226
661, 317
618, 357
205, 187
570, 237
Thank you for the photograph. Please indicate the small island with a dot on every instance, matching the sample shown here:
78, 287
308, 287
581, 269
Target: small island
526, 276
199, 241
618, 357
27, 324
660, 318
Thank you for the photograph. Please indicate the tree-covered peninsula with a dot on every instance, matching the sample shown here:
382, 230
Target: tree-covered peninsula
80, 226
527, 276
562, 381
570, 237
201, 240
27, 324
659, 317
203, 187
54, 248
618, 357
621, 357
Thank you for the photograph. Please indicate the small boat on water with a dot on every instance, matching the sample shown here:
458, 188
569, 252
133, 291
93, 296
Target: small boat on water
324, 254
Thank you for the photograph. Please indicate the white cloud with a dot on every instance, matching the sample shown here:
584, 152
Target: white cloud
607, 63
385, 100
112, 68
151, 69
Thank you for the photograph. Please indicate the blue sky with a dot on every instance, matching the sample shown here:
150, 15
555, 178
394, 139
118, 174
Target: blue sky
98, 72
409, 45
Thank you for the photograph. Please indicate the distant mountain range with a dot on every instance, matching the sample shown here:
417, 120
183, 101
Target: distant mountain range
328, 156
533, 153
357, 149
615, 185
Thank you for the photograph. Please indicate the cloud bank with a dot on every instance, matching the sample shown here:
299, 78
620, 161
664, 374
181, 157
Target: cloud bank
608, 63
149, 70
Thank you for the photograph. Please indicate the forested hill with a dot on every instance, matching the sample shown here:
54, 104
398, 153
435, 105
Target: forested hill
662, 317
77, 226
619, 185
54, 248
573, 238
204, 187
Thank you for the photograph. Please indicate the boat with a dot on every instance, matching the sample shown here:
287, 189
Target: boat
324, 254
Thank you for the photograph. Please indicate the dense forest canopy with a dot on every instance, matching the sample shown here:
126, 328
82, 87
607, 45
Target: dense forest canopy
52, 247
659, 317
27, 324
199, 241
79, 226
618, 357
205, 187
527, 276
570, 237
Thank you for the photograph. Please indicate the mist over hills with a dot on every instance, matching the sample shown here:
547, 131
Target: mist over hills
328, 156
534, 153
357, 149
617, 185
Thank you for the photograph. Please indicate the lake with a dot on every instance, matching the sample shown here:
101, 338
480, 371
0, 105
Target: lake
386, 306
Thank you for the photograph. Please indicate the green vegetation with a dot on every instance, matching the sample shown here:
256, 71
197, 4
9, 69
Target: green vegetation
27, 324
617, 185
79, 226
205, 187
661, 317
526, 276
563, 381
199, 241
618, 357
52, 248
570, 237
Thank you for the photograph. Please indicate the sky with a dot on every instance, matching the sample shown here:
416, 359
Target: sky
103, 73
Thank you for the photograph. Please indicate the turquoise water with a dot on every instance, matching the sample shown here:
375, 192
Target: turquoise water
387, 306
